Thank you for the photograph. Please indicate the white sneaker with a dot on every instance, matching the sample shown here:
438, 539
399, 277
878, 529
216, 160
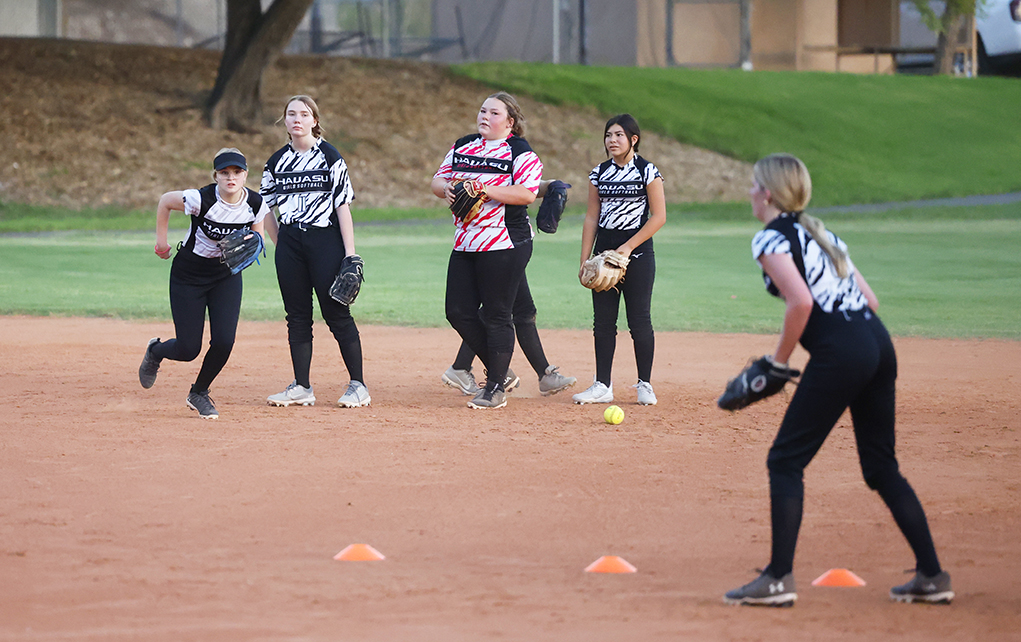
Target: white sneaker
294, 394
357, 395
646, 397
596, 393
463, 380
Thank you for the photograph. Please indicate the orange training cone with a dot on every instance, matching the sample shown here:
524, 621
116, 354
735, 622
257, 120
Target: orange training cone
359, 553
838, 577
610, 564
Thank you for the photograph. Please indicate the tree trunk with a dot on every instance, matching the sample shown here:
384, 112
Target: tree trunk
952, 22
254, 42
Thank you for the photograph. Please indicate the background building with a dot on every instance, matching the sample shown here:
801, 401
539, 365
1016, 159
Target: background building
820, 35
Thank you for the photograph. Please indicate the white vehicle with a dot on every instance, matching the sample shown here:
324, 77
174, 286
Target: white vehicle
998, 23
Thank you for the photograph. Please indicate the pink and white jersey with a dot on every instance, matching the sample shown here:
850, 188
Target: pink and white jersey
499, 162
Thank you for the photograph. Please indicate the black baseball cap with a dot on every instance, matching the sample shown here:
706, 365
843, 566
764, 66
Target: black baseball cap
229, 159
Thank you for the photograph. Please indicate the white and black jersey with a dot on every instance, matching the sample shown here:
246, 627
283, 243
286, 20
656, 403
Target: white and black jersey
213, 218
307, 187
785, 235
623, 199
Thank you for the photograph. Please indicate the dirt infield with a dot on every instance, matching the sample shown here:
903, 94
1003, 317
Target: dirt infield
125, 517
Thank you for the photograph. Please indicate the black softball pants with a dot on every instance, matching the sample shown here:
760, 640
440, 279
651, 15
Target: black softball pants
524, 328
308, 260
853, 365
481, 290
636, 289
198, 284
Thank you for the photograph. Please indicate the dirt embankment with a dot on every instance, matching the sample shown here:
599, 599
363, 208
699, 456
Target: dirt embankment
91, 124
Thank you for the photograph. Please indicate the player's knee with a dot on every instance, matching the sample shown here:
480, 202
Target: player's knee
884, 480
188, 351
604, 329
346, 334
496, 319
524, 320
642, 333
780, 466
221, 348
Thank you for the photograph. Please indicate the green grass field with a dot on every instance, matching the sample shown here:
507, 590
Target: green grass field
19, 218
939, 272
865, 138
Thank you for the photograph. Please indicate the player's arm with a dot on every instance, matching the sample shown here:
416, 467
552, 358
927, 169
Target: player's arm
525, 182
589, 227
272, 227
511, 194
440, 185
169, 201
657, 217
797, 296
347, 228
441, 188
870, 296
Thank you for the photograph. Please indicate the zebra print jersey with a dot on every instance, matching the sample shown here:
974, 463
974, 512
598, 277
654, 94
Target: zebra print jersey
785, 235
623, 200
500, 163
307, 187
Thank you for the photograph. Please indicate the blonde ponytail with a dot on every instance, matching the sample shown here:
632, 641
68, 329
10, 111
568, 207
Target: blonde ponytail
790, 188
818, 232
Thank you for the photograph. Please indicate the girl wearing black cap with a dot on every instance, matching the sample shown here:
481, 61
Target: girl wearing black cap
199, 281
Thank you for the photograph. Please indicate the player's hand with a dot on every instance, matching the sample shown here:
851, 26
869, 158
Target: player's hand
162, 250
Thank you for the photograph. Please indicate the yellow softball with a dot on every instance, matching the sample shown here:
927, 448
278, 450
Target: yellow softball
613, 415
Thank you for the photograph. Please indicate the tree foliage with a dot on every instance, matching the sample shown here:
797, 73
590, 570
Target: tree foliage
947, 25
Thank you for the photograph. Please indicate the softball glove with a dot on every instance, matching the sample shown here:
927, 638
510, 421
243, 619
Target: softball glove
604, 270
469, 196
241, 248
760, 379
348, 283
552, 207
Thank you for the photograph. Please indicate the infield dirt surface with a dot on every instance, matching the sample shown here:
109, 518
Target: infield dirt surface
123, 516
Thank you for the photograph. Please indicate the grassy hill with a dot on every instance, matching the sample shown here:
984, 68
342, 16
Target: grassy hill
864, 138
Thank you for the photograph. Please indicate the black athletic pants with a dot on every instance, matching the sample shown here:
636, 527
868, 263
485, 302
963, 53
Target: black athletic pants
853, 364
307, 260
197, 284
490, 281
637, 291
524, 328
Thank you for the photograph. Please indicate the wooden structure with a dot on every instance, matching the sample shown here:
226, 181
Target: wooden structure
861, 36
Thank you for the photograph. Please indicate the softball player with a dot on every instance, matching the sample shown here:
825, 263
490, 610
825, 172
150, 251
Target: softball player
626, 206
308, 183
491, 251
832, 311
199, 281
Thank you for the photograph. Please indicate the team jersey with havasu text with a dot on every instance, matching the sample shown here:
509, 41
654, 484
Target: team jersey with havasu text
307, 187
500, 163
785, 235
214, 218
623, 200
